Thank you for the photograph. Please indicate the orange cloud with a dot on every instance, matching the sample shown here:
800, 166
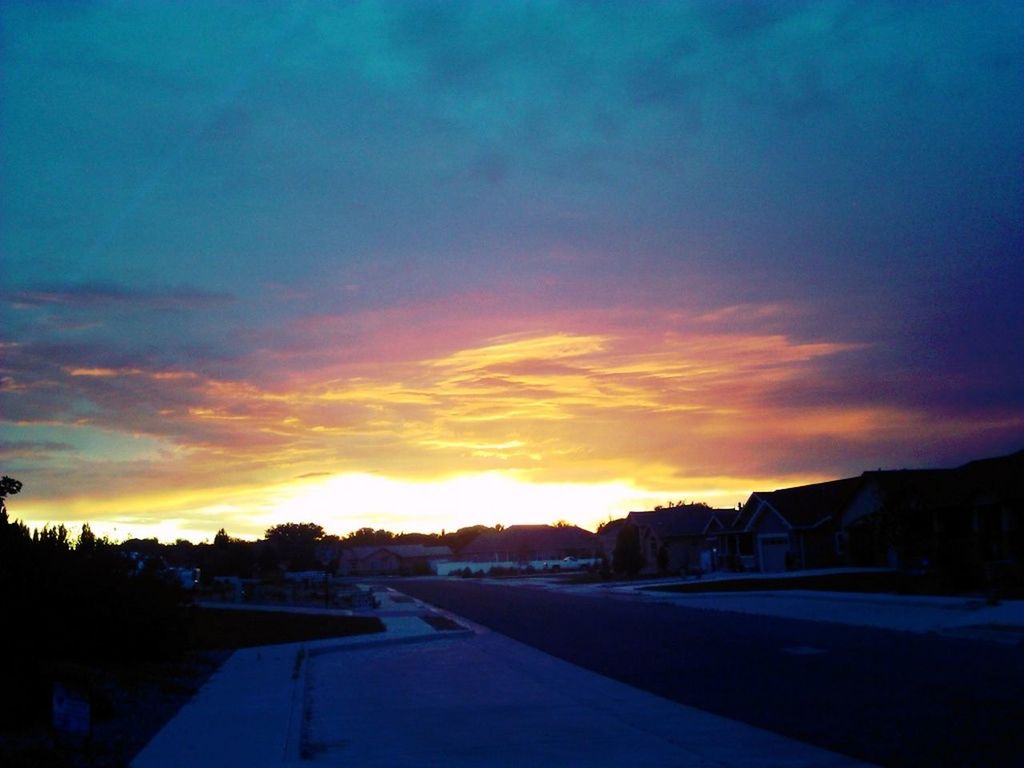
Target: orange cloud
666, 405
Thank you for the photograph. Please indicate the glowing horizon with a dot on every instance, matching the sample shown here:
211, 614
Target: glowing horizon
518, 429
486, 498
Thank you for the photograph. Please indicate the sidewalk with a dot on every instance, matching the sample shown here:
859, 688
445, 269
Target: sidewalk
250, 711
418, 696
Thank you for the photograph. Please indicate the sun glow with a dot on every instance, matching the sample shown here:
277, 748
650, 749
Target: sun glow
344, 503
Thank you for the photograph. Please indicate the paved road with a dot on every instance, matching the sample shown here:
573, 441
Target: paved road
892, 698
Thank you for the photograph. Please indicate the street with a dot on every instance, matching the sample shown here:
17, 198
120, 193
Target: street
892, 698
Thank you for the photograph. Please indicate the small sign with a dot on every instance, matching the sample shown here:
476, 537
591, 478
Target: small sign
71, 711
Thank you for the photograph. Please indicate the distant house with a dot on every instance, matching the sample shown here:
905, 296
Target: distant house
681, 539
391, 559
538, 546
788, 529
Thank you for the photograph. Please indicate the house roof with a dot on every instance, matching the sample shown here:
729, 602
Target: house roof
404, 551
675, 522
804, 506
807, 506
930, 488
1001, 477
531, 538
611, 528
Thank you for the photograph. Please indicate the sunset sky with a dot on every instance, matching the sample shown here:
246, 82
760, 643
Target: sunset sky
424, 265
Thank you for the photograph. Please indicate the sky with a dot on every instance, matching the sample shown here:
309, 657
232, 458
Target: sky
423, 265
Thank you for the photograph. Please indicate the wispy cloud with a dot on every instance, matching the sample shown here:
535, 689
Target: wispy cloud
99, 295
31, 449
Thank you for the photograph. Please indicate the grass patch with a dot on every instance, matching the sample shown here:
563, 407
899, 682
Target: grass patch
132, 700
130, 703
229, 628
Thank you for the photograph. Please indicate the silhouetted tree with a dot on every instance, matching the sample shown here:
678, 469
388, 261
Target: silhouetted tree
55, 539
226, 556
144, 548
14, 536
267, 559
296, 543
683, 503
86, 539
366, 537
8, 487
182, 553
78, 603
427, 539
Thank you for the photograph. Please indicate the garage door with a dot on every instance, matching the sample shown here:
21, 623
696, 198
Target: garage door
773, 552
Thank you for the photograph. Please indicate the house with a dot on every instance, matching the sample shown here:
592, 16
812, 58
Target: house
530, 546
996, 504
391, 559
892, 519
679, 539
965, 521
524, 543
788, 529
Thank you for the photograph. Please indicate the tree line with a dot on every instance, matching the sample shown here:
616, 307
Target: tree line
290, 547
283, 547
68, 600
